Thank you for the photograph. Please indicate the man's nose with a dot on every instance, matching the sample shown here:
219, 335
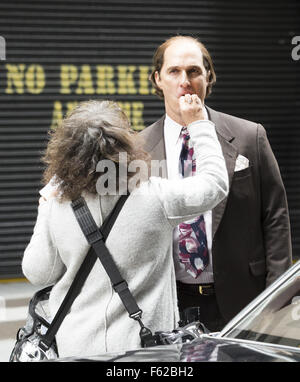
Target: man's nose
184, 80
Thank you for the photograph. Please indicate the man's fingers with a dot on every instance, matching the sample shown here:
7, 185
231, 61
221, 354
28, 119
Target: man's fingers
195, 98
191, 108
188, 98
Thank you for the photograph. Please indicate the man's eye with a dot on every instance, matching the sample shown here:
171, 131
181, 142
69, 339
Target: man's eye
173, 70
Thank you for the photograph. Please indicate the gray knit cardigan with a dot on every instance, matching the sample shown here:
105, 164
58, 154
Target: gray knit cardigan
141, 245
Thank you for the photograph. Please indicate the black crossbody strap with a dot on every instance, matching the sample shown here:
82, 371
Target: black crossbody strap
95, 239
81, 276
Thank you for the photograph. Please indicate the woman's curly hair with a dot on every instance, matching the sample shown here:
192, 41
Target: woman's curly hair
91, 132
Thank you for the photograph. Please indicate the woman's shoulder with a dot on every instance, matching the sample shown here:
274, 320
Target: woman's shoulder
62, 206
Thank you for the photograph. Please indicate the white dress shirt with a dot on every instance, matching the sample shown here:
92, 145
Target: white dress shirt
173, 145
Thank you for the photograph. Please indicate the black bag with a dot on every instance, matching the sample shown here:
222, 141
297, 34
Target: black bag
36, 340
29, 336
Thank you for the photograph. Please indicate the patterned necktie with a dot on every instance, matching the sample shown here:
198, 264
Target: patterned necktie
193, 251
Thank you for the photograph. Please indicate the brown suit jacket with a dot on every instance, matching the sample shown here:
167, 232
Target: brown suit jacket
251, 243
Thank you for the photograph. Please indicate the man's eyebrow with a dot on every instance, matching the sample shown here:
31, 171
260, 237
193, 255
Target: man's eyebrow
188, 68
195, 67
172, 67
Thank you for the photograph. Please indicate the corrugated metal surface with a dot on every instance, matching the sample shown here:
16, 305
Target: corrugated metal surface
60, 52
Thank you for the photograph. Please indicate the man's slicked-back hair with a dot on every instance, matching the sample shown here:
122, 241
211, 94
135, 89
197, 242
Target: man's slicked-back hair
158, 61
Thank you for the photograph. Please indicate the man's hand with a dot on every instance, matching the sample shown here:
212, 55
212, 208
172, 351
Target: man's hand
191, 108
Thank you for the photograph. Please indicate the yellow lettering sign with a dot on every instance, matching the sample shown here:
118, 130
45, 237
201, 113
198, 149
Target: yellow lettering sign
125, 79
68, 77
134, 112
15, 79
144, 80
85, 82
137, 116
35, 79
105, 77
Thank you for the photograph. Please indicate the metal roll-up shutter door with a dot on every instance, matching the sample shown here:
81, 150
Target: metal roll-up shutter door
62, 52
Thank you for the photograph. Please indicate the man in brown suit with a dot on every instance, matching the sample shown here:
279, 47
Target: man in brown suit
248, 234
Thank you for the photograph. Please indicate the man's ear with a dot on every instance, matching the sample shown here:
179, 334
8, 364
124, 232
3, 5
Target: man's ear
157, 79
208, 75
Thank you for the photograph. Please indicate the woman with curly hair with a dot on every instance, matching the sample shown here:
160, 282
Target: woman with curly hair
141, 239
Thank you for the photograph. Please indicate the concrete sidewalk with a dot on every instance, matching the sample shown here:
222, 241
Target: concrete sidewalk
14, 300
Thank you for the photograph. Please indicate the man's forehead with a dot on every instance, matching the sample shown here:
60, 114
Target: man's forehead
183, 49
184, 44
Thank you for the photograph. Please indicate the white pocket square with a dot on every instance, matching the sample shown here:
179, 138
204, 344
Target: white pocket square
241, 163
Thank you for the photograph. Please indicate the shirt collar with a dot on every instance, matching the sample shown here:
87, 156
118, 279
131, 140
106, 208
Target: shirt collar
172, 129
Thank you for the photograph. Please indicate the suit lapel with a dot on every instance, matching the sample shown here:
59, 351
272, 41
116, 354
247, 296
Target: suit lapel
154, 143
230, 153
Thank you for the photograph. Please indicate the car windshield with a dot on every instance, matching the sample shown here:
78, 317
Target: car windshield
276, 319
